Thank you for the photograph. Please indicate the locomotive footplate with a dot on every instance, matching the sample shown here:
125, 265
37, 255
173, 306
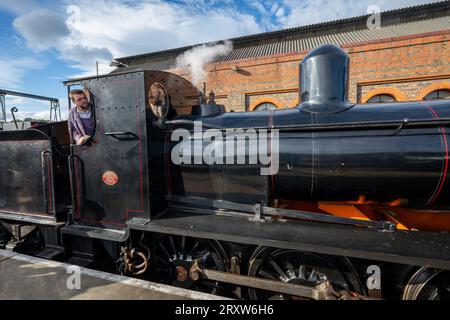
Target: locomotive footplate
429, 249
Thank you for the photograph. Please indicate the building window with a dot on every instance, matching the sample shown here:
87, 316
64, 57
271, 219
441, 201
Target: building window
438, 94
265, 106
381, 98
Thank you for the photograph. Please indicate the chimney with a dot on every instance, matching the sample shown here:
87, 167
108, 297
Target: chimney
324, 80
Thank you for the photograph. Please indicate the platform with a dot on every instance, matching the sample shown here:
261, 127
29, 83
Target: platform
31, 278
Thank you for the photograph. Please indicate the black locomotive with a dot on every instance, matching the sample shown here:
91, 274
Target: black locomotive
328, 200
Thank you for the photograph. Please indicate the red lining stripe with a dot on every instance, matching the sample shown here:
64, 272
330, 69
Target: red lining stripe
167, 163
140, 155
49, 186
78, 189
272, 176
444, 175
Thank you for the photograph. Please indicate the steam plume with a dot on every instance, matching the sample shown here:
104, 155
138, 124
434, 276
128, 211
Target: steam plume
196, 58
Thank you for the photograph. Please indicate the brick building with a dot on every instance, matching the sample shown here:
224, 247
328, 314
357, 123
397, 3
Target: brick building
408, 58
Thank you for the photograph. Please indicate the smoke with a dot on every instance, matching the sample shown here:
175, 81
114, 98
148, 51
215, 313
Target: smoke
196, 58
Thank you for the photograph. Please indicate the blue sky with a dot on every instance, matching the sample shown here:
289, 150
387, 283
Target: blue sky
45, 42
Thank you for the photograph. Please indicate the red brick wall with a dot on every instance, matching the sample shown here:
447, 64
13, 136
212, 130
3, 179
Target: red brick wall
407, 67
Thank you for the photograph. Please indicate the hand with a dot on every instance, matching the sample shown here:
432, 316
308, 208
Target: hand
83, 140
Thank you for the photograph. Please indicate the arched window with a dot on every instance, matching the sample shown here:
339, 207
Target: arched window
265, 106
158, 100
438, 94
381, 98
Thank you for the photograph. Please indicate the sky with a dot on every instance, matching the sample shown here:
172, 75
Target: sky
43, 43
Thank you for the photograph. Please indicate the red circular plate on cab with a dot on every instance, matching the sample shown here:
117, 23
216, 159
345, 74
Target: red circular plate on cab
110, 178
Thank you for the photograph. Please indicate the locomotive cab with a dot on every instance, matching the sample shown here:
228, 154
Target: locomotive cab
117, 175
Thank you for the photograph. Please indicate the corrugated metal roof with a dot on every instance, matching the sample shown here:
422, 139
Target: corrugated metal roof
411, 28
398, 17
414, 20
402, 15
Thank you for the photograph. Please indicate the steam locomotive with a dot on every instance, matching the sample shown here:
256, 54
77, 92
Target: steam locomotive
328, 200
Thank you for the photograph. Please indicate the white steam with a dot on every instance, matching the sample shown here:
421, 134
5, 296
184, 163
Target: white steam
196, 58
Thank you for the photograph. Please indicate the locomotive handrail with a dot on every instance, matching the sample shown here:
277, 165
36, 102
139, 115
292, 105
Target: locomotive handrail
71, 162
118, 133
128, 135
161, 124
47, 180
393, 124
260, 210
397, 125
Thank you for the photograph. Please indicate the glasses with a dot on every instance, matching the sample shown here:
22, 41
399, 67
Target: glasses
80, 99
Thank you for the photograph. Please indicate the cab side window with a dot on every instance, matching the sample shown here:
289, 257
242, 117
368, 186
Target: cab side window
81, 116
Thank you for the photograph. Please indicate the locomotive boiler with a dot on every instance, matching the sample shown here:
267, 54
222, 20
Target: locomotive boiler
291, 203
327, 150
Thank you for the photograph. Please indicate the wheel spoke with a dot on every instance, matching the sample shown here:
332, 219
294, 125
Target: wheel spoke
312, 275
267, 275
444, 292
194, 247
301, 272
291, 271
182, 248
172, 244
205, 256
163, 261
165, 251
277, 268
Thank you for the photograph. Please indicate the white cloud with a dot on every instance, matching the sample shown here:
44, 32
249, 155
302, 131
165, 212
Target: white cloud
155, 25
42, 28
307, 12
260, 7
279, 13
274, 8
64, 107
12, 100
21, 115
19, 6
13, 69
100, 30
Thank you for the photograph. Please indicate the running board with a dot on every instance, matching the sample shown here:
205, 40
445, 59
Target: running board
259, 212
35, 219
96, 233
